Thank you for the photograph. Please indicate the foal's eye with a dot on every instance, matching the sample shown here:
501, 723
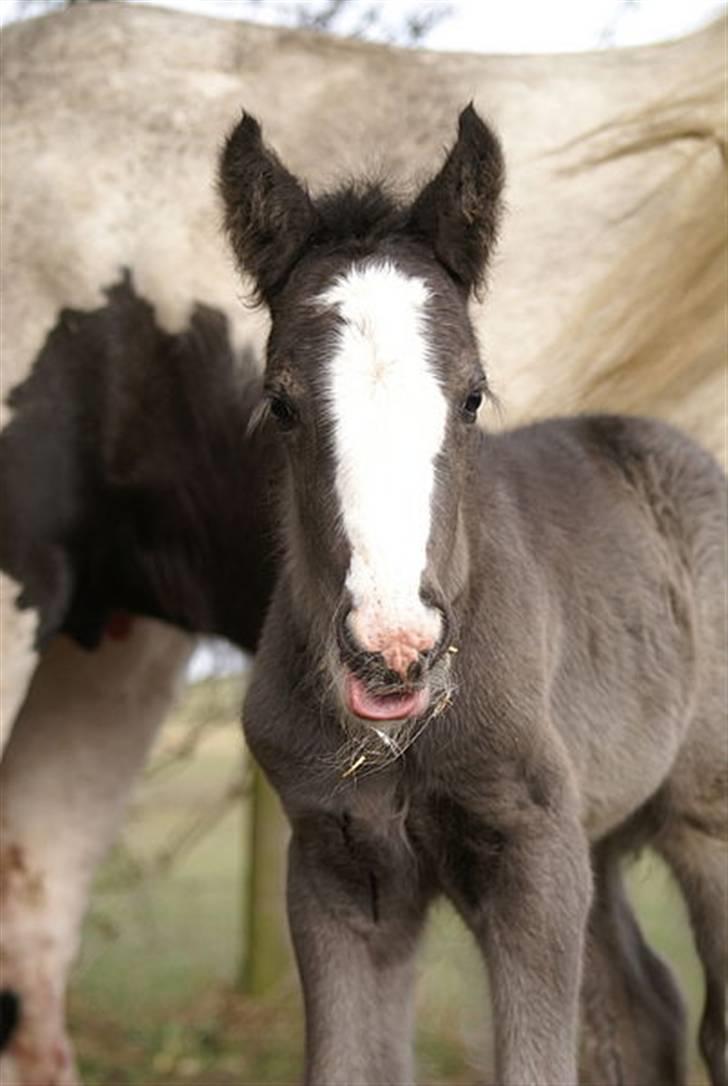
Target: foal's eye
283, 411
472, 405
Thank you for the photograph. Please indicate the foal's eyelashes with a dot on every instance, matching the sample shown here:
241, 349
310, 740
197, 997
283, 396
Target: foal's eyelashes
281, 408
472, 405
284, 412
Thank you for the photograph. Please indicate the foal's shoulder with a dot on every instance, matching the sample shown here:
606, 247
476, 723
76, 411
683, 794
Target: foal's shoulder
634, 445
601, 463
604, 494
633, 439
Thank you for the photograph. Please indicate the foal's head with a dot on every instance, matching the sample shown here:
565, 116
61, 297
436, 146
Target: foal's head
374, 381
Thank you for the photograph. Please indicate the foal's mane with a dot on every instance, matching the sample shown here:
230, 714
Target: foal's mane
362, 210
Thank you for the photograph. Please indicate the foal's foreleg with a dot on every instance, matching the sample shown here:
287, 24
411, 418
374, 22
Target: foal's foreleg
530, 923
354, 921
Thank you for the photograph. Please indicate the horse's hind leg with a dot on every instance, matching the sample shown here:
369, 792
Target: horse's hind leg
633, 1021
700, 864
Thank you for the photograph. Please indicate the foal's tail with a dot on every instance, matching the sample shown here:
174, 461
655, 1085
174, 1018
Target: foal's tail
650, 337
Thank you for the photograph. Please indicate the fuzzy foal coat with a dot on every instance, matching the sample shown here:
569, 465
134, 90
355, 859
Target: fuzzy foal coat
583, 574
576, 698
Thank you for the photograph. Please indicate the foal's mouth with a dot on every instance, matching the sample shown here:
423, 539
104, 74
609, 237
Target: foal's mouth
384, 705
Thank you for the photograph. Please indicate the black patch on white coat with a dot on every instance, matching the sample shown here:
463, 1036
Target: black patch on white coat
129, 481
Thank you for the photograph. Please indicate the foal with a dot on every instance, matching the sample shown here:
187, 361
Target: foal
485, 655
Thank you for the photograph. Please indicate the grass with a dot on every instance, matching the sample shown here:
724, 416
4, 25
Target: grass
154, 999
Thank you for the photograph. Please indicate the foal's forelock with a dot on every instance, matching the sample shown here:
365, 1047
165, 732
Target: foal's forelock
388, 414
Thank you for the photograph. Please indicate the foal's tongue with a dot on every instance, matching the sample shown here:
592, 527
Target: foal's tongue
363, 703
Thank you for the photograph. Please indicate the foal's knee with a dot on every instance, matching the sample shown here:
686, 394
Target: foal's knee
365, 882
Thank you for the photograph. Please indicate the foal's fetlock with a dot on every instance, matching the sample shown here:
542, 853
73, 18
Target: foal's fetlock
713, 1041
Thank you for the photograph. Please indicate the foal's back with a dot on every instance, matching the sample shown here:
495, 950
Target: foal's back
621, 528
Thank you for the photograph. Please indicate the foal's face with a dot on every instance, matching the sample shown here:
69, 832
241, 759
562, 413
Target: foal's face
374, 382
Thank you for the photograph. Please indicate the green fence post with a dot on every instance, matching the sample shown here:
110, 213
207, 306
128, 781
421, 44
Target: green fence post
266, 957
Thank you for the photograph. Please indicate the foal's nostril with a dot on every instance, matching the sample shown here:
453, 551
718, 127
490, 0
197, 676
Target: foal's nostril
347, 645
416, 669
402, 653
434, 653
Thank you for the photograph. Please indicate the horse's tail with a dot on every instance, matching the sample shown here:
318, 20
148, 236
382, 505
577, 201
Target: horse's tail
650, 337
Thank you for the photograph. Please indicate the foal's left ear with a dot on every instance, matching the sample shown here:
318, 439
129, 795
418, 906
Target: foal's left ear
458, 212
268, 214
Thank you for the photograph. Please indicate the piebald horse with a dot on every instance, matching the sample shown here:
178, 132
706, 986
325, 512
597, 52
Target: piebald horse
112, 254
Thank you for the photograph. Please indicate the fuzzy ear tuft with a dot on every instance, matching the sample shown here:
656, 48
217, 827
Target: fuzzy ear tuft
458, 211
268, 213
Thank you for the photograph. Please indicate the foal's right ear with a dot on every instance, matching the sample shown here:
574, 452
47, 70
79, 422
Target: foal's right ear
268, 213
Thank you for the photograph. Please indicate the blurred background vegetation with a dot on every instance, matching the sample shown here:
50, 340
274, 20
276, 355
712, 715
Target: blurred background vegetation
166, 991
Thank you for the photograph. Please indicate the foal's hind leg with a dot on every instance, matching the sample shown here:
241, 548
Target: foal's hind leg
633, 1021
700, 864
694, 842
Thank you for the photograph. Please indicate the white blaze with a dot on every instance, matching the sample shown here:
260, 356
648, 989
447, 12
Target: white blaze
389, 416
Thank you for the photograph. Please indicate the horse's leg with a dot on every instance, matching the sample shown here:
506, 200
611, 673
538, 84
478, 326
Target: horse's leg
355, 919
77, 745
19, 656
633, 1020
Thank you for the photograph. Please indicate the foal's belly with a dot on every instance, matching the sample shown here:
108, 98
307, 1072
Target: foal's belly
622, 753
614, 790
623, 691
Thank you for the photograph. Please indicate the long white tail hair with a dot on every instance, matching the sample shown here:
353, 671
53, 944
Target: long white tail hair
651, 336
